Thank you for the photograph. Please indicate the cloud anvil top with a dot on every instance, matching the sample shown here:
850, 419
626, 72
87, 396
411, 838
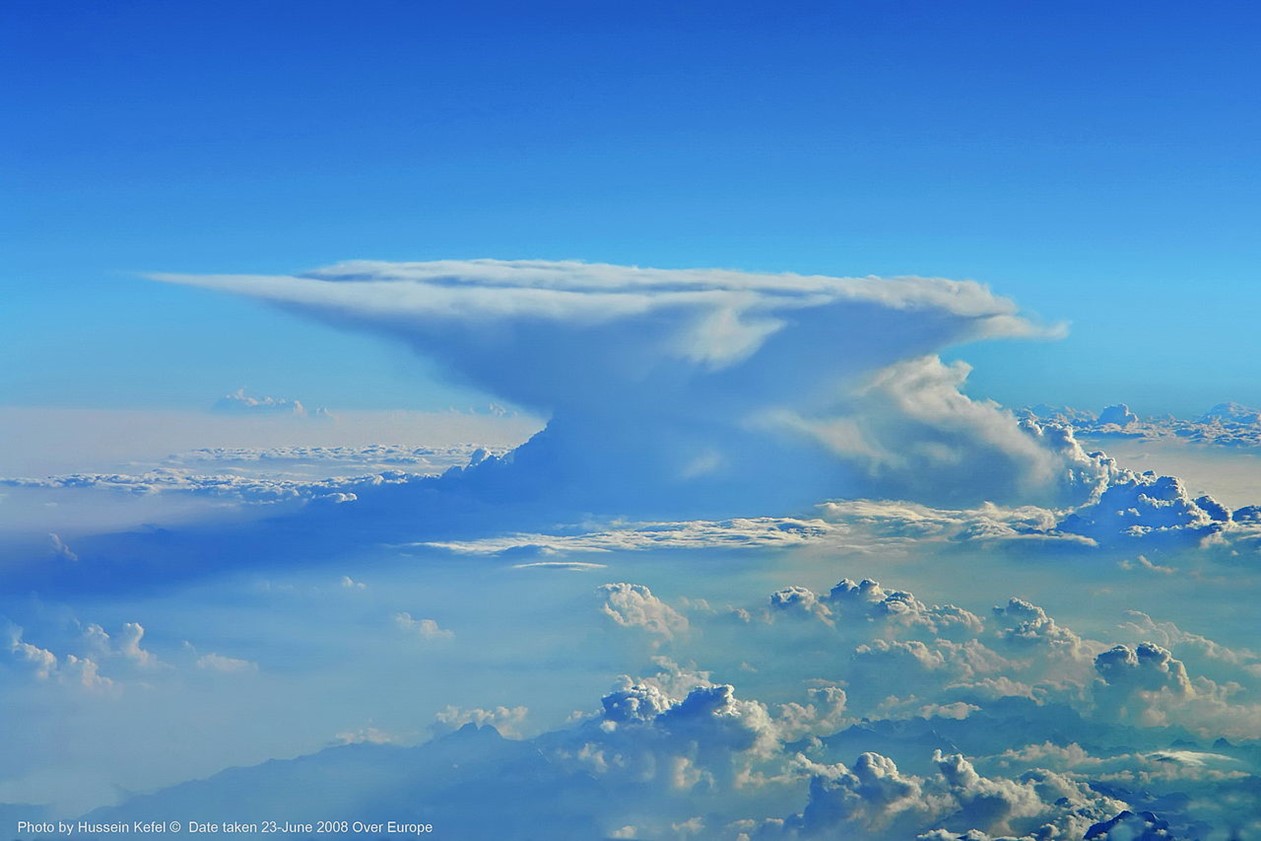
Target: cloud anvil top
680, 381
570, 290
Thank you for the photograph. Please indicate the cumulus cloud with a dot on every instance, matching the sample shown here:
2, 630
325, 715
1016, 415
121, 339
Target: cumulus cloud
507, 720
800, 600
1147, 506
871, 797
698, 740
874, 799
634, 606
424, 628
1120, 508
129, 644
663, 385
42, 660
919, 436
1140, 683
241, 403
73, 669
868, 600
895, 718
1224, 425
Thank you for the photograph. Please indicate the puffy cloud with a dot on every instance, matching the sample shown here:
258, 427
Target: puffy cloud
43, 660
634, 606
1118, 415
919, 436
1146, 506
1117, 508
897, 655
125, 644
823, 713
704, 738
1027, 623
240, 403
800, 600
1210, 652
122, 655
81, 670
1226, 424
876, 800
424, 628
507, 720
983, 802
975, 747
129, 644
871, 799
635, 702
665, 385
86, 672
1141, 683
867, 599
1146, 668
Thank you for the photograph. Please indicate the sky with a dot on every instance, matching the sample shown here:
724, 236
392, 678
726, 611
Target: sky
652, 421
1076, 159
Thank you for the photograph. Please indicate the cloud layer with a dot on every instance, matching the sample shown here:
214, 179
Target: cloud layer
864, 713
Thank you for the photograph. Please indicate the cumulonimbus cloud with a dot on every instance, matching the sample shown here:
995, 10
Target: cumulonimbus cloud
668, 386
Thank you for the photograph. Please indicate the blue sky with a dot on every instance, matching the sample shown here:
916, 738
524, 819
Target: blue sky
1096, 165
748, 273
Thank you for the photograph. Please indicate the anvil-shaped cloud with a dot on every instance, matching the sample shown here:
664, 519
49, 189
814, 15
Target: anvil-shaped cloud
717, 390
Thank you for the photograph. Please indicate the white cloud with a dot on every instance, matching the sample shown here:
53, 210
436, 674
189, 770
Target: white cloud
1225, 425
86, 672
129, 645
424, 628
507, 720
365, 736
349, 583
917, 435
80, 670
60, 549
634, 606
799, 600
663, 385
222, 663
740, 532
1144, 506
370, 458
239, 402
264, 490
568, 566
43, 660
